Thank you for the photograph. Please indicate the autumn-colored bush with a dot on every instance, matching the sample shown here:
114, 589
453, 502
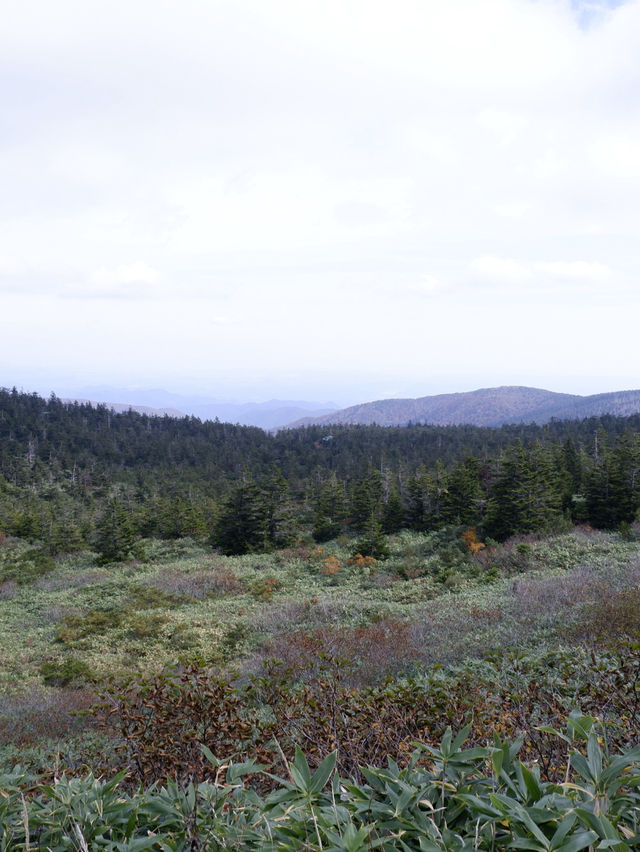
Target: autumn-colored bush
196, 585
360, 561
163, 722
473, 543
42, 714
264, 587
331, 565
611, 618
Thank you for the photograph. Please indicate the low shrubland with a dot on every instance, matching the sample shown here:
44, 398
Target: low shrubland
314, 650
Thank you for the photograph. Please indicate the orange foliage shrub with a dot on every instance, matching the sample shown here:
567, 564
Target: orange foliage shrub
361, 561
263, 589
331, 566
471, 540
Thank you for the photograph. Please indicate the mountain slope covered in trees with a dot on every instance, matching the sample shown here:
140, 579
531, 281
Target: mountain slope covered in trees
77, 476
485, 407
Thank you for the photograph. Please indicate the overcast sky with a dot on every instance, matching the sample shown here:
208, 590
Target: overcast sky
320, 199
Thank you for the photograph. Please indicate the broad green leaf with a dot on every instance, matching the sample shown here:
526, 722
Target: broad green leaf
460, 738
300, 772
323, 773
531, 782
579, 763
528, 843
577, 841
594, 756
563, 829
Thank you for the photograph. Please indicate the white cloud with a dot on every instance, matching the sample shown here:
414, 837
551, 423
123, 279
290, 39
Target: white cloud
576, 270
618, 156
134, 280
504, 127
282, 165
499, 270
534, 274
429, 285
512, 209
11, 267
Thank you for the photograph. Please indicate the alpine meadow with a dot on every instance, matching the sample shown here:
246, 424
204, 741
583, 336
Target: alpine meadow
216, 637
319, 426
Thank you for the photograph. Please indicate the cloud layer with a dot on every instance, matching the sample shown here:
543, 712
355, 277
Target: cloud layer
295, 188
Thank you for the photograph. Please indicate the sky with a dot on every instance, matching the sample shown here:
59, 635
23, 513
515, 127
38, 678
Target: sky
337, 200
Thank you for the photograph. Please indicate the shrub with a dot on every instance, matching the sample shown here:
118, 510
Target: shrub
611, 618
148, 597
264, 588
331, 565
72, 579
44, 714
360, 561
23, 566
70, 672
8, 590
145, 625
94, 622
164, 721
196, 585
471, 540
446, 797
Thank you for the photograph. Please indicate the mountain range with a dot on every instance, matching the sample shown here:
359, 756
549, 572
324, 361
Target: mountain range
272, 414
484, 407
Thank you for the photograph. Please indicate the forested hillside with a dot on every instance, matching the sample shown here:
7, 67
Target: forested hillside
367, 605
484, 407
74, 476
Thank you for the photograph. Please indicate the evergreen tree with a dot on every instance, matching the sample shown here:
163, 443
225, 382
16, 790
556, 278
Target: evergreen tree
526, 495
242, 524
393, 512
365, 499
280, 516
114, 535
462, 502
613, 483
373, 541
330, 510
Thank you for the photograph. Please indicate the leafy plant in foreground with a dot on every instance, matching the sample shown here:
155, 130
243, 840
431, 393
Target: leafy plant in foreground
449, 798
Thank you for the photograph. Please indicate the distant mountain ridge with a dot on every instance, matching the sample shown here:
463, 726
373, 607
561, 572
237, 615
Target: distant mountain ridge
274, 413
120, 407
483, 407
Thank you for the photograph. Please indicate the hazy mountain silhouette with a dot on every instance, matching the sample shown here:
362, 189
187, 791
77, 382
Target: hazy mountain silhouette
484, 407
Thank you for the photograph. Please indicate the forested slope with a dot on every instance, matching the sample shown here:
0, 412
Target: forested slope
73, 475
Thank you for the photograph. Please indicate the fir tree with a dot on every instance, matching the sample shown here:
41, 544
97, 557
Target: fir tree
115, 537
242, 524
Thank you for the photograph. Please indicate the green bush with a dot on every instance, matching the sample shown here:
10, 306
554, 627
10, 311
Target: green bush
145, 625
25, 565
94, 622
70, 672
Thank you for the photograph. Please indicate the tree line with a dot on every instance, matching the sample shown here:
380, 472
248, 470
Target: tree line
73, 476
